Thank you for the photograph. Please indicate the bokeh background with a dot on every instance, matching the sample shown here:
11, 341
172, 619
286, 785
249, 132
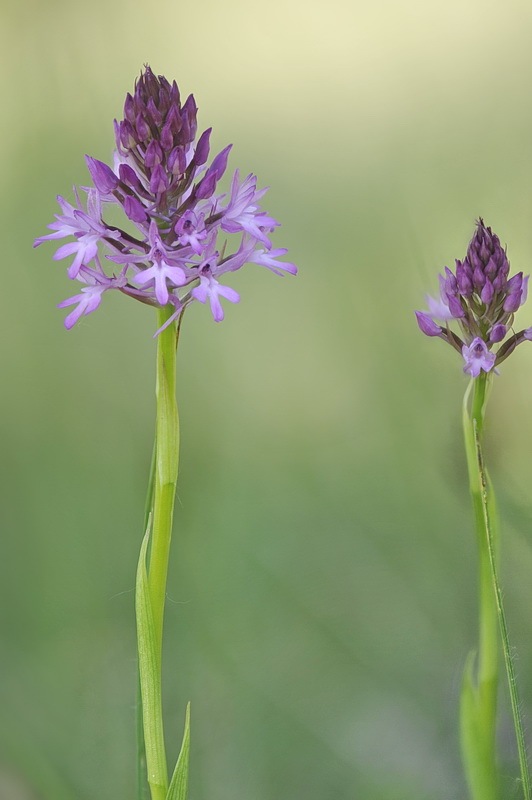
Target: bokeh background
322, 588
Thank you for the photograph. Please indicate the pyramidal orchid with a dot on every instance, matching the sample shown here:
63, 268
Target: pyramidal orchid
480, 300
175, 216
474, 313
180, 239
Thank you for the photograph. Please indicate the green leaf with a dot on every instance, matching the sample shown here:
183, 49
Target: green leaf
490, 522
150, 680
178, 789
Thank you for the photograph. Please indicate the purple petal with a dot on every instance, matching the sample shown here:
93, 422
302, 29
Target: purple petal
228, 293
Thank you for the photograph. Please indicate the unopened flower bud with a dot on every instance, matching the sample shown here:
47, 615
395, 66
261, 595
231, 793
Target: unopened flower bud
103, 176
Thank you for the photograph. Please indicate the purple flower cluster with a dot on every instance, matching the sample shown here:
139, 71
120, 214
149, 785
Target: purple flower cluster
169, 252
481, 299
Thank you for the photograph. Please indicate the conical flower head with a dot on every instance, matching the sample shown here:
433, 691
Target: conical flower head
481, 300
154, 113
486, 263
155, 140
173, 248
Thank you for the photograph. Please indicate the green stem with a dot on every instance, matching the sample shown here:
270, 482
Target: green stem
479, 717
479, 697
166, 467
151, 583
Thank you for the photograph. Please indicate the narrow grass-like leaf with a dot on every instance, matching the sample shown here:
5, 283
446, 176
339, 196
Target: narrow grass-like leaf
150, 681
142, 770
488, 507
178, 789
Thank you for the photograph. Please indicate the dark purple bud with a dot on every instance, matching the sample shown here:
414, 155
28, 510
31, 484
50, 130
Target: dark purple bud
478, 278
514, 293
175, 98
515, 283
174, 120
164, 86
142, 128
177, 162
190, 111
147, 86
154, 113
167, 138
207, 186
129, 177
202, 148
427, 324
468, 269
474, 260
528, 334
184, 133
504, 269
512, 302
450, 281
158, 180
499, 282
134, 209
103, 176
455, 306
219, 163
497, 333
487, 293
486, 256
491, 268
465, 285
129, 108
153, 155
127, 135
484, 252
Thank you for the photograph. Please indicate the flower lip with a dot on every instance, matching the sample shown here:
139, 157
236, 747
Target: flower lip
477, 357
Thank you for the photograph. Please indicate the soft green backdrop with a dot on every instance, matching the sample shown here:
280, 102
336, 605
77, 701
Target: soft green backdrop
322, 587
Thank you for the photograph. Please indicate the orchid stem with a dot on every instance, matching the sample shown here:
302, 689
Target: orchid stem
151, 587
479, 716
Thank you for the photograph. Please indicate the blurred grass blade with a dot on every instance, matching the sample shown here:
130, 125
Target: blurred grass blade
179, 784
490, 518
150, 681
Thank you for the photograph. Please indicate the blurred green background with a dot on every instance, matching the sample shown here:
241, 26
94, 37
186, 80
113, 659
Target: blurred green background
322, 588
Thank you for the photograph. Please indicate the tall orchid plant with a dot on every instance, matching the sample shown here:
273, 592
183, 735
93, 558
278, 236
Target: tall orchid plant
180, 239
479, 300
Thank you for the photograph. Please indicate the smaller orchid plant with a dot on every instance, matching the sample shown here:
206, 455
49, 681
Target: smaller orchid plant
180, 239
480, 300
